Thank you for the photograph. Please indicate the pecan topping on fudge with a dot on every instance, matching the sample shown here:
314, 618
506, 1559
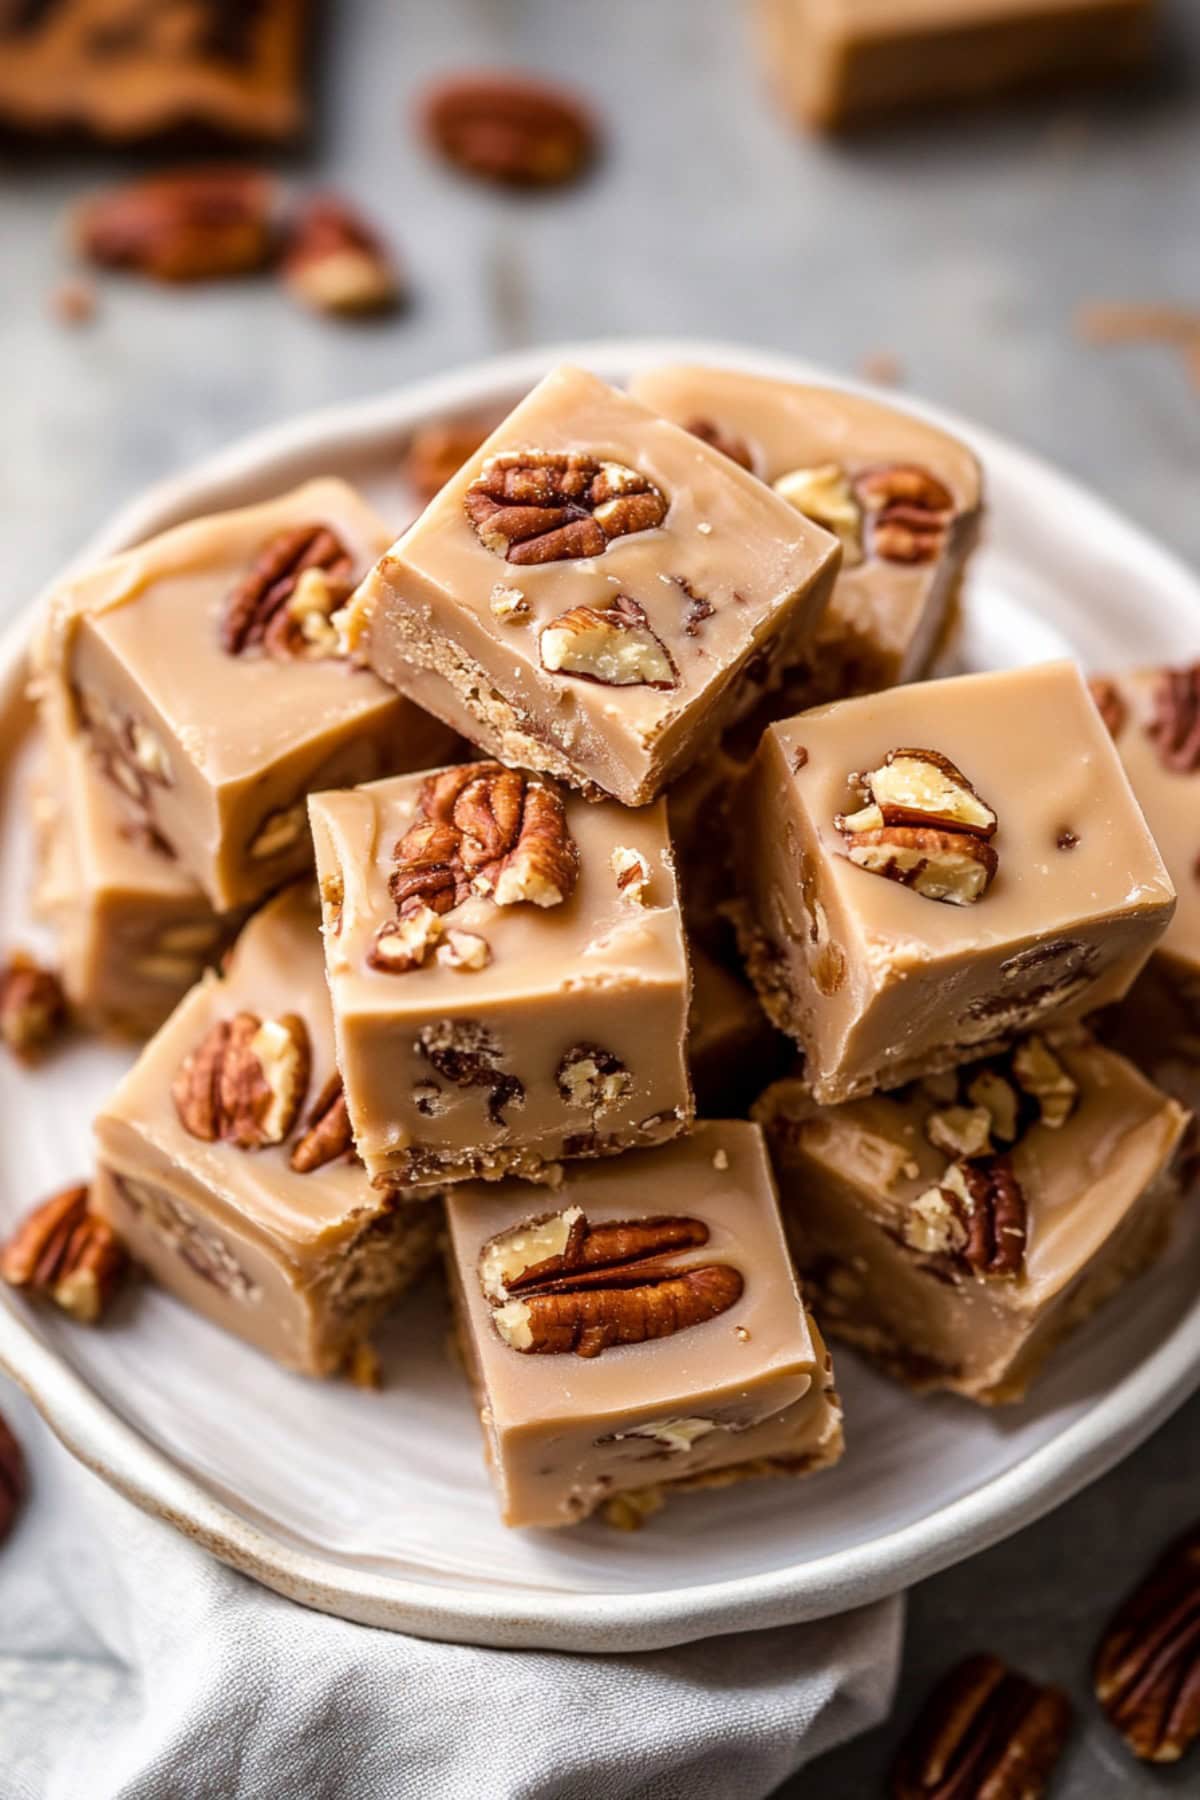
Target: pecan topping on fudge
922, 823
559, 1284
823, 493
975, 1216
279, 604
985, 1730
613, 645
909, 511
64, 1252
538, 506
327, 1135
1174, 728
245, 1081
1147, 1670
1109, 703
727, 442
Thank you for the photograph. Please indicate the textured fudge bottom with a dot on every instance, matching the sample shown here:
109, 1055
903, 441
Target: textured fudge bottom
420, 1168
856, 1281
312, 1316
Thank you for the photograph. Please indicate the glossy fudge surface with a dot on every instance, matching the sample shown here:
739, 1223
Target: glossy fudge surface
522, 1030
878, 981
903, 496
741, 1386
1152, 714
607, 657
134, 931
879, 1244
216, 748
299, 1260
839, 63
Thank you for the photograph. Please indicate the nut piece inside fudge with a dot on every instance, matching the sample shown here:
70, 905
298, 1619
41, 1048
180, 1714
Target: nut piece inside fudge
509, 979
642, 1333
595, 594
926, 872
227, 1166
902, 497
205, 674
959, 1228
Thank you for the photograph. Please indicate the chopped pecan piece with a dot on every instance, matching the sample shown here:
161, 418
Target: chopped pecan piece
303, 627
633, 874
189, 225
1038, 1072
1109, 703
538, 506
12, 1478
335, 263
909, 512
245, 1081
464, 950
513, 131
975, 1216
951, 866
1174, 727
919, 787
823, 494
960, 1130
1147, 1668
986, 1733
404, 943
727, 442
64, 1252
560, 1284
989, 1089
33, 1007
613, 645
466, 1054
272, 580
327, 1135
591, 1076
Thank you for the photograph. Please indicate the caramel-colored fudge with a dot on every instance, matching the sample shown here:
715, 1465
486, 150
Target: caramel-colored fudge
596, 594
930, 870
205, 673
903, 497
1153, 714
509, 979
733, 1051
134, 932
839, 63
641, 1334
225, 1162
958, 1231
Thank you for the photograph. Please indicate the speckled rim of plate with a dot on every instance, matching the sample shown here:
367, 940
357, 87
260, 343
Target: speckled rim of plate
121, 1456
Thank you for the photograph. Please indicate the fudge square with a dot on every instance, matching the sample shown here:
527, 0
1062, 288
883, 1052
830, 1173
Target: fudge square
508, 972
929, 870
958, 1230
225, 1162
205, 674
134, 931
595, 594
643, 1333
1153, 714
903, 497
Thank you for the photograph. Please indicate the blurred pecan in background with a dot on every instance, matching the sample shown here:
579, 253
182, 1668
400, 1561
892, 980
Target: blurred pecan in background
12, 1479
64, 1252
1147, 1671
33, 1007
508, 129
986, 1733
335, 263
188, 225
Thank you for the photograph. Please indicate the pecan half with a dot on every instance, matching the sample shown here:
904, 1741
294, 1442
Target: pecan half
335, 263
436, 452
561, 1284
823, 494
189, 225
12, 1478
1147, 1668
517, 132
33, 1007
974, 1216
1174, 727
1109, 703
327, 1135
950, 866
613, 645
727, 442
245, 1081
986, 1733
64, 1252
272, 580
909, 511
539, 506
466, 1054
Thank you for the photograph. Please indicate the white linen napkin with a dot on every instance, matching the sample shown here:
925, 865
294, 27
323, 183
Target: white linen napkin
135, 1667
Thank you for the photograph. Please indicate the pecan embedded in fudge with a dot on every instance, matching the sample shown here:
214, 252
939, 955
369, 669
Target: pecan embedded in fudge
203, 672
508, 973
902, 497
1059, 894
227, 1166
641, 1334
957, 1229
595, 594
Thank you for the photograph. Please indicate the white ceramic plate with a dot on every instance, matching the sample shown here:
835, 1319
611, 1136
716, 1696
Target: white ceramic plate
377, 1507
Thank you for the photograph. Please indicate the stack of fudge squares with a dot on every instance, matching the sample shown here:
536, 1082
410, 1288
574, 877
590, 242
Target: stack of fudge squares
621, 789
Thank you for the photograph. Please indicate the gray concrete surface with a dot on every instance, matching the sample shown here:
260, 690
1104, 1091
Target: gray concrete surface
961, 247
